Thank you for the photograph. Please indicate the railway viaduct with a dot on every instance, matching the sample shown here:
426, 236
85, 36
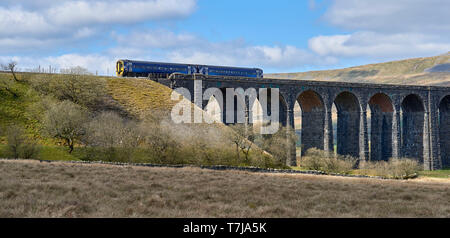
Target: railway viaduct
406, 121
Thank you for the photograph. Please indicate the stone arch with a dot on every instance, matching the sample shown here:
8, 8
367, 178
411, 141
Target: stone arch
312, 120
267, 111
213, 105
235, 113
348, 123
381, 116
256, 112
412, 127
444, 130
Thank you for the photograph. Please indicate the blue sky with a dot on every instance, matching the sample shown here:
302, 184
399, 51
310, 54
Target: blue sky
277, 36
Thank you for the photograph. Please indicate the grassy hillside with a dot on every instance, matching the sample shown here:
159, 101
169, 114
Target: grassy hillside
18, 102
140, 95
23, 102
134, 96
15, 98
411, 71
33, 189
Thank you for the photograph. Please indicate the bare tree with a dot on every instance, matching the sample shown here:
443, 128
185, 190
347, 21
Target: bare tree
80, 89
12, 68
65, 121
242, 137
78, 70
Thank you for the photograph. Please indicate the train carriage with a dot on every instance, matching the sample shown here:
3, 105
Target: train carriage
131, 68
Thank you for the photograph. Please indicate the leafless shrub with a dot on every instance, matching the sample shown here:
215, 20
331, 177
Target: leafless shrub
400, 168
160, 141
19, 146
316, 159
313, 159
77, 70
30, 150
404, 167
110, 136
276, 144
15, 138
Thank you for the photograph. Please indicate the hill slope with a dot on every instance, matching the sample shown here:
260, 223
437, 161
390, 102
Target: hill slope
23, 102
418, 71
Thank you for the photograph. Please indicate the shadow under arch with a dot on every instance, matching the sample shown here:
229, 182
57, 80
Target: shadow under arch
267, 110
444, 131
412, 127
312, 109
381, 117
348, 123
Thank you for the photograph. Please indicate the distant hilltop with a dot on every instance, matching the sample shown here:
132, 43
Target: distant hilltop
417, 71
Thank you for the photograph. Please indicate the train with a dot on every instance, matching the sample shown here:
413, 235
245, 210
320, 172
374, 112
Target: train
133, 68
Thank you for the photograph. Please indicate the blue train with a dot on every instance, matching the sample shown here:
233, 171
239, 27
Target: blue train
131, 68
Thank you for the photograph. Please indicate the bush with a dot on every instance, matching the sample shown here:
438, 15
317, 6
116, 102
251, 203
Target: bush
30, 150
110, 136
313, 159
276, 145
405, 168
18, 144
316, 159
158, 139
402, 168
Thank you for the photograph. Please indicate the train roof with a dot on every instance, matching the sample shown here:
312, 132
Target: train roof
152, 62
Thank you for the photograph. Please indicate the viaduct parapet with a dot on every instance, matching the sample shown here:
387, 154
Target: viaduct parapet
406, 121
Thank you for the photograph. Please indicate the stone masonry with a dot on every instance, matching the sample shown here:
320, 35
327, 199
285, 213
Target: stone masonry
406, 121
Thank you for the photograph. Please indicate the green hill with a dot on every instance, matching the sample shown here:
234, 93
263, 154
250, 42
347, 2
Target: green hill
20, 103
417, 71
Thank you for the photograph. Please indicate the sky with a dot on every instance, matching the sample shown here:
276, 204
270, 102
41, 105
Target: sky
277, 36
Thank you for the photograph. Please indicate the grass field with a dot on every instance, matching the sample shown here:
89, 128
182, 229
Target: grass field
34, 189
443, 173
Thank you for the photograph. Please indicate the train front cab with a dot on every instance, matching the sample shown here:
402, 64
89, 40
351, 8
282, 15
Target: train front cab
120, 68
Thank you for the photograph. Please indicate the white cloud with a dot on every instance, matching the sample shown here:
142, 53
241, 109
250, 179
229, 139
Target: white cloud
377, 45
391, 16
16, 21
64, 20
160, 38
385, 29
118, 12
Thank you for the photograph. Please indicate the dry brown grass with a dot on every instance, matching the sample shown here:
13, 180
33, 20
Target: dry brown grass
34, 189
